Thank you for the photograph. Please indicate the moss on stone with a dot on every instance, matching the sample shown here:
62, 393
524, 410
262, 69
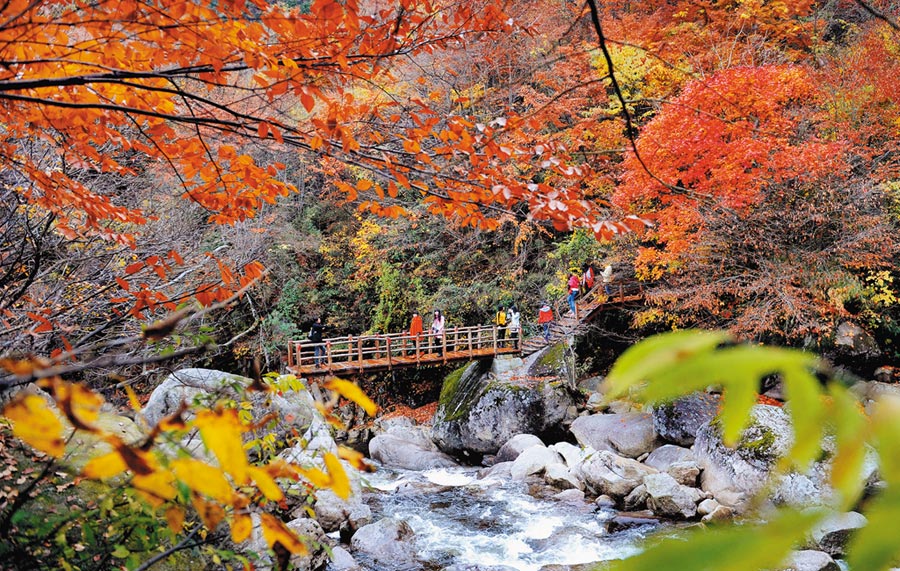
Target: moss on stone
762, 446
554, 356
448, 389
461, 389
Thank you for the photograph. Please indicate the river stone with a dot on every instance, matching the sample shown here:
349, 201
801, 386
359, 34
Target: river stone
678, 421
732, 475
811, 560
478, 413
560, 476
398, 449
388, 542
832, 534
630, 434
668, 498
719, 514
668, 454
475, 567
499, 471
572, 496
533, 460
572, 454
515, 446
707, 506
341, 560
637, 499
628, 520
685, 473
606, 473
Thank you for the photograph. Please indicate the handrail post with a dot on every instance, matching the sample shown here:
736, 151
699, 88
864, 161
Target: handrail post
290, 358
328, 353
359, 343
388, 342
418, 349
494, 331
471, 351
444, 347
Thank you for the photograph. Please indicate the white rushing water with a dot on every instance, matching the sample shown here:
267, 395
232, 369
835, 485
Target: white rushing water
459, 519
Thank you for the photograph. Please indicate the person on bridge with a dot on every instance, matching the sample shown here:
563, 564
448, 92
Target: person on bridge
607, 275
574, 286
415, 328
500, 322
315, 336
437, 331
514, 320
587, 278
545, 318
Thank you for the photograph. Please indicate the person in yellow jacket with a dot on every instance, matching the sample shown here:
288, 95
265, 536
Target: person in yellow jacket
500, 322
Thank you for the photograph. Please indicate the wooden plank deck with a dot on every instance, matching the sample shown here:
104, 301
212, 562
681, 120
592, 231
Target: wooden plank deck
357, 355
398, 362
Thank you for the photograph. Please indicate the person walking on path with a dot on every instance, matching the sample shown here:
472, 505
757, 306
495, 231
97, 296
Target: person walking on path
500, 322
437, 331
514, 320
415, 328
574, 286
315, 336
545, 318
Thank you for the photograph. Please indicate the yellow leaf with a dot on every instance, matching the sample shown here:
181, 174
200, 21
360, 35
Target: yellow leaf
355, 458
274, 531
353, 393
37, 424
105, 466
221, 431
315, 477
175, 518
133, 399
241, 527
266, 484
157, 486
203, 478
80, 404
340, 483
211, 513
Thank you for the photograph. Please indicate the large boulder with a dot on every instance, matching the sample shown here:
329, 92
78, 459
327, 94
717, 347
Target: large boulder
606, 473
388, 542
855, 340
410, 448
679, 420
669, 454
733, 475
479, 412
292, 411
630, 434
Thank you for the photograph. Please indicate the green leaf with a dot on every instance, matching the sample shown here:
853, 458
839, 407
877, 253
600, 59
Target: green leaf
807, 411
851, 430
654, 356
120, 551
875, 546
739, 398
886, 428
730, 548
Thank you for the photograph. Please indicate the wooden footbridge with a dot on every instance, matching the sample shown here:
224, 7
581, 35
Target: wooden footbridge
371, 353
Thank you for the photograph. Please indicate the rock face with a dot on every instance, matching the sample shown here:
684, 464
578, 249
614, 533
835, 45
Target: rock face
811, 560
732, 475
679, 421
307, 529
515, 446
832, 535
479, 412
630, 434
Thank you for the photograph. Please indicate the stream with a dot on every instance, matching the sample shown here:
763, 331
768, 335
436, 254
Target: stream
460, 520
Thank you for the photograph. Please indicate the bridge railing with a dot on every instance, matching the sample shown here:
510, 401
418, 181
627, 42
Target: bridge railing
392, 347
